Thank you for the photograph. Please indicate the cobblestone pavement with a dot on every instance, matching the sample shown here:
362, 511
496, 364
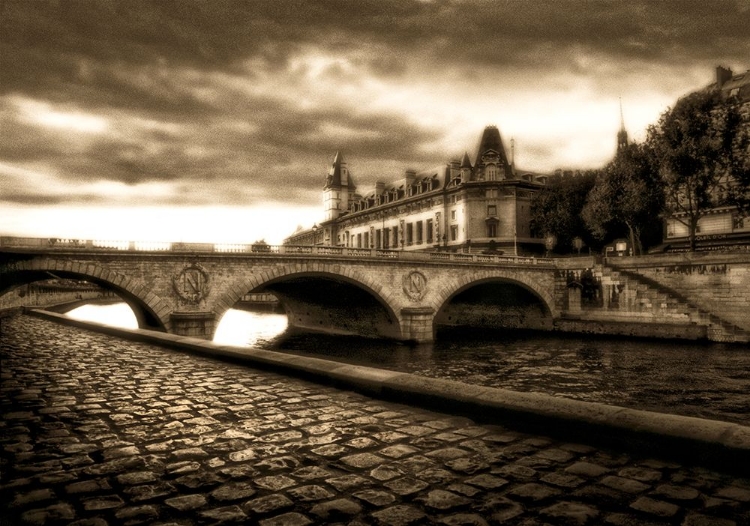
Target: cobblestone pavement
99, 431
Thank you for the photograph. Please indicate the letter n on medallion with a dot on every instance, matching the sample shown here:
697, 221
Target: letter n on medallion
415, 285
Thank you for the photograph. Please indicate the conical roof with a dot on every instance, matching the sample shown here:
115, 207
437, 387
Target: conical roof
465, 162
491, 141
334, 173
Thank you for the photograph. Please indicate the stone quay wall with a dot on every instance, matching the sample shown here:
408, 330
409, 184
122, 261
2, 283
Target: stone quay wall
717, 283
15, 300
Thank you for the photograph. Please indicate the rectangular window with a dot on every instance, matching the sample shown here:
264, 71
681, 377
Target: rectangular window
453, 215
491, 210
420, 233
394, 237
359, 240
386, 238
409, 234
367, 240
429, 228
492, 229
454, 232
378, 239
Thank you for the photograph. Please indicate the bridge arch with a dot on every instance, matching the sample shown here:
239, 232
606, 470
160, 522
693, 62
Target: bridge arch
510, 276
150, 310
316, 271
526, 304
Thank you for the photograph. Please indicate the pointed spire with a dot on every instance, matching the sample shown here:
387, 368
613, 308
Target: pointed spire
334, 174
622, 135
465, 162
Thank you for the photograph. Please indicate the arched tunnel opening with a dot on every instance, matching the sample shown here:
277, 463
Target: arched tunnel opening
318, 304
492, 306
68, 292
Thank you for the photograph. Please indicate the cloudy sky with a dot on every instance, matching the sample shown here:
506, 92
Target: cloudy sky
216, 120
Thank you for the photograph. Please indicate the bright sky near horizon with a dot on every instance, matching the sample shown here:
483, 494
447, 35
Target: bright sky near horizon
201, 120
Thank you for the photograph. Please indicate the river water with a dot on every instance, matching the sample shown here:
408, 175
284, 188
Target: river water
694, 379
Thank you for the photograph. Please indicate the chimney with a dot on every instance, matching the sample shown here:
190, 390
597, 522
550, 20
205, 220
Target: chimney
723, 75
409, 176
379, 187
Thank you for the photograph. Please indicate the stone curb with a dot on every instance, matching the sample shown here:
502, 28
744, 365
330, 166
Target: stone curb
706, 442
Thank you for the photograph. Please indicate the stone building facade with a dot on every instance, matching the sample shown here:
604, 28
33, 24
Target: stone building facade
479, 206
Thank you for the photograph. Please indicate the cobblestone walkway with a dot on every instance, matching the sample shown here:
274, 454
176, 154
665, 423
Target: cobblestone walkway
99, 431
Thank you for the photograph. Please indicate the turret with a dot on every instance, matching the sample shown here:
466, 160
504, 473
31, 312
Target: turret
337, 189
465, 168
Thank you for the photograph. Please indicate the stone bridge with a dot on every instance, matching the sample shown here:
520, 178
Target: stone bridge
185, 288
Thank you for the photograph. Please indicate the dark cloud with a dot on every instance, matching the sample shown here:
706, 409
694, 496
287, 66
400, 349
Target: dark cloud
179, 81
222, 34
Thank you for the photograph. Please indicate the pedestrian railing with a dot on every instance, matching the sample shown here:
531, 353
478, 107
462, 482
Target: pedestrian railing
9, 243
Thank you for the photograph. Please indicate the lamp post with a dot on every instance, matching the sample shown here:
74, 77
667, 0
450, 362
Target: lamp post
578, 244
315, 233
549, 242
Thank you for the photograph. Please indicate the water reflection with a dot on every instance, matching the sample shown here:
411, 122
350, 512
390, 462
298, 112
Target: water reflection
705, 380
116, 314
238, 327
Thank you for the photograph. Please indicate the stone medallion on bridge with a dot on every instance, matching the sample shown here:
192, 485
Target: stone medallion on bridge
191, 284
415, 285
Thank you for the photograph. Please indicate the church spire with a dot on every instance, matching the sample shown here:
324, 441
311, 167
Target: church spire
622, 135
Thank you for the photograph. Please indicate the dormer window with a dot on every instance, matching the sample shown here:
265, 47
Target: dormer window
492, 172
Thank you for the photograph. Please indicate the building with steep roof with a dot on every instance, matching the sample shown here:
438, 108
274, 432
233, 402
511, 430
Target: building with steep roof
484, 205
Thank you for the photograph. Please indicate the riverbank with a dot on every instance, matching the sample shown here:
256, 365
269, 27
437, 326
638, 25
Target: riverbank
706, 442
102, 430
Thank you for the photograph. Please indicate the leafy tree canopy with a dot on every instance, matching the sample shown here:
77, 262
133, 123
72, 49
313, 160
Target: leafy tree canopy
626, 197
556, 209
701, 150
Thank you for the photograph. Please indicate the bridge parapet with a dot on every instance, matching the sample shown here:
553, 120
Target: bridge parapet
42, 245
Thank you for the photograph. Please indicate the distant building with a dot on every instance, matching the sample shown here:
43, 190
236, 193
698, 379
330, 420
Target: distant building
722, 226
484, 205
732, 85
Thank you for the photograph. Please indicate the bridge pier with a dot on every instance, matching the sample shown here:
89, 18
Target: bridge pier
417, 324
196, 324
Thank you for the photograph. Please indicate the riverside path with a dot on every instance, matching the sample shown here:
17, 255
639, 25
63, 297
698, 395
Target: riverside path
96, 431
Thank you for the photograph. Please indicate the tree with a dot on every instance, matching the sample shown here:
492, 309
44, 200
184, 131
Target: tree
701, 148
627, 196
556, 208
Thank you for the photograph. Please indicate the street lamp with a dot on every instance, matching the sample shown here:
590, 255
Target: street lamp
578, 244
315, 233
549, 242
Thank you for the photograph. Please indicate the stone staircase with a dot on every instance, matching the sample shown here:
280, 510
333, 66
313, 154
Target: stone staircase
643, 299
